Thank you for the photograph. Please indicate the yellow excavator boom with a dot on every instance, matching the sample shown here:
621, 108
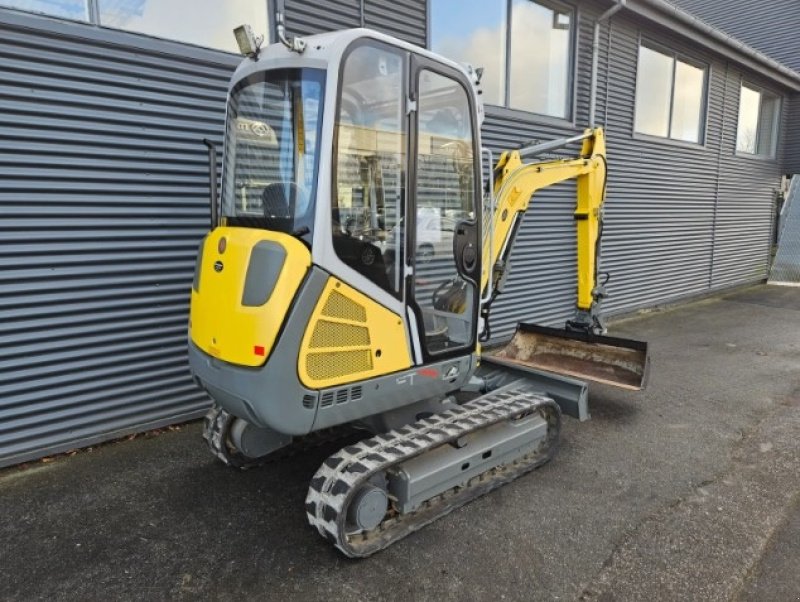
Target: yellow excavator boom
515, 184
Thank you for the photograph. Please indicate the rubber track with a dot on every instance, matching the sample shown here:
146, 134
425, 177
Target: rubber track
342, 474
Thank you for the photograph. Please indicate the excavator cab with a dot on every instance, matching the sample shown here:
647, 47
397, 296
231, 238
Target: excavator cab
349, 275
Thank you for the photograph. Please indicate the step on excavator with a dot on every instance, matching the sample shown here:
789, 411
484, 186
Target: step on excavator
360, 237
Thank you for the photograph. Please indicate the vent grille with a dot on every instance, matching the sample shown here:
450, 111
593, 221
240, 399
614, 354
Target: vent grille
323, 362
336, 334
308, 401
340, 396
322, 366
339, 306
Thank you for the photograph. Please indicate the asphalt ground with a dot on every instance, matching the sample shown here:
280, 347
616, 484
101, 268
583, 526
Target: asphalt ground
688, 491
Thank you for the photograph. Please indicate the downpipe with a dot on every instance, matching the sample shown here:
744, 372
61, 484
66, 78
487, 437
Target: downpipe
294, 44
595, 53
212, 182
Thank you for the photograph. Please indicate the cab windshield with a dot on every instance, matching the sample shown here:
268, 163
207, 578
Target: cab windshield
272, 151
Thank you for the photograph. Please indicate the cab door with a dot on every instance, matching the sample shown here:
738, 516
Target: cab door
442, 212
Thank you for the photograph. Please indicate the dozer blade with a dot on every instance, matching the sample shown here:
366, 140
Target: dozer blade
610, 360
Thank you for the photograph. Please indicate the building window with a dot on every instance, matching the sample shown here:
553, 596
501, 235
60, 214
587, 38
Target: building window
670, 96
530, 69
207, 23
757, 132
77, 10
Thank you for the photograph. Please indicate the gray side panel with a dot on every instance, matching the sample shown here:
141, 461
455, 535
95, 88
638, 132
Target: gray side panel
346, 403
103, 203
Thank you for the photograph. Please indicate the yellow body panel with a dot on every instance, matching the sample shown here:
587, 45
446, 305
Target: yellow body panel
219, 324
350, 337
519, 181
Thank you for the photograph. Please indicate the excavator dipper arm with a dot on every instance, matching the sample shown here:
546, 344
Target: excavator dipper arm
515, 182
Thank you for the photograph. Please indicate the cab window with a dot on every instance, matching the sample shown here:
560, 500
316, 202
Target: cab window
370, 140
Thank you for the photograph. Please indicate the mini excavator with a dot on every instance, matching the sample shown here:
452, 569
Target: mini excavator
358, 240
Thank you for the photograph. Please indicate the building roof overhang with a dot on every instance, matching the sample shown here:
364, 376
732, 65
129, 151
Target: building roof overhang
678, 20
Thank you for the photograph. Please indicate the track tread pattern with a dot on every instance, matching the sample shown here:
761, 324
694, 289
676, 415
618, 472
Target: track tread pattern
342, 474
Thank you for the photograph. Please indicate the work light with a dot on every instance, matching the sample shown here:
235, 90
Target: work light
246, 40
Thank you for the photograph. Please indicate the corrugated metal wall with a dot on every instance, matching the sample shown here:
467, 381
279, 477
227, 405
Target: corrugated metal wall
404, 19
306, 18
103, 202
791, 160
770, 27
681, 219
746, 202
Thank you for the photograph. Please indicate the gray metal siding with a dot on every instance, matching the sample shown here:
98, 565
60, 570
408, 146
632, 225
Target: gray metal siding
304, 17
404, 19
770, 27
681, 219
103, 201
659, 212
791, 132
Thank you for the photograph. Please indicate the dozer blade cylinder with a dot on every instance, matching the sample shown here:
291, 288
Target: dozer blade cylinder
610, 360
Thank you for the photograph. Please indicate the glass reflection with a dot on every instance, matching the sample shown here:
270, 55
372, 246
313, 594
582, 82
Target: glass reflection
653, 91
208, 23
747, 132
473, 32
77, 10
687, 106
539, 76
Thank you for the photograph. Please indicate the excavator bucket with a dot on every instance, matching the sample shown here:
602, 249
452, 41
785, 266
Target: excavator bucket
610, 360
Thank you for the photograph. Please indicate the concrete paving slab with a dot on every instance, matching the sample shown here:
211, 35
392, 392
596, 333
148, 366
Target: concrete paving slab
681, 492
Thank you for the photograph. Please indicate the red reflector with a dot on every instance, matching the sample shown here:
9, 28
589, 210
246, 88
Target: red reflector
429, 372
258, 350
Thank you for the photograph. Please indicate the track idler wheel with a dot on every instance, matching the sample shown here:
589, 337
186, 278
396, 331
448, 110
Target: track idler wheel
216, 432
